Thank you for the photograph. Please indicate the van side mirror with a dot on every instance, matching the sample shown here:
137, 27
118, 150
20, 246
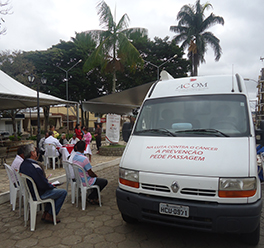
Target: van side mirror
260, 134
261, 125
126, 131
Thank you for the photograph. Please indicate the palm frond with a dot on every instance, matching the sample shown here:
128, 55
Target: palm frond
123, 23
128, 53
215, 44
211, 20
105, 15
97, 58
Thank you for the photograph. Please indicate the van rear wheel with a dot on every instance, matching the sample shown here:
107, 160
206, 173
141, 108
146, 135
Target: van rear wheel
128, 219
253, 237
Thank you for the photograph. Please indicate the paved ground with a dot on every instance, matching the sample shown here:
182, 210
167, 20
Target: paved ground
98, 227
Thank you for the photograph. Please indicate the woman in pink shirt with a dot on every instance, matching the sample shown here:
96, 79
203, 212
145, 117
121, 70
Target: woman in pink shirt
87, 137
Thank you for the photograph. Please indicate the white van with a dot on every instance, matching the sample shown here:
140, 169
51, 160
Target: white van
191, 158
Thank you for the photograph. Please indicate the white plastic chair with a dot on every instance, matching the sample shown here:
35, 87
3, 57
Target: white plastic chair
13, 187
68, 168
77, 170
51, 152
33, 204
22, 193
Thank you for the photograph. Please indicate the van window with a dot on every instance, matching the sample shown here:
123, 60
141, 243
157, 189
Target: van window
194, 116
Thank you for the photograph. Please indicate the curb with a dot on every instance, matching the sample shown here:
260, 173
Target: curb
4, 197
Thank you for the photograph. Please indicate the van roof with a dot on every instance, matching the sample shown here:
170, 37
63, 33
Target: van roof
224, 84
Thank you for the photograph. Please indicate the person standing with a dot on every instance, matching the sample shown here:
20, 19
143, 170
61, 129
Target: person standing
98, 136
83, 161
87, 137
78, 131
46, 190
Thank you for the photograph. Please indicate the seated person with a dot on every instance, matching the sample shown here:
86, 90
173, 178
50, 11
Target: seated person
167, 119
62, 152
74, 139
63, 139
70, 158
46, 190
223, 118
17, 162
83, 161
52, 140
42, 147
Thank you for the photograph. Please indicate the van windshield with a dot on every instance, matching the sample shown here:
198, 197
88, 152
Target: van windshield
192, 116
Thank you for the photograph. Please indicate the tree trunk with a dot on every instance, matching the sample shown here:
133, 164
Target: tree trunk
114, 82
46, 110
82, 118
192, 64
13, 118
195, 65
87, 121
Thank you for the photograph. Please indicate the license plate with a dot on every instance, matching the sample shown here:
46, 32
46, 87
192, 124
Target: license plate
175, 210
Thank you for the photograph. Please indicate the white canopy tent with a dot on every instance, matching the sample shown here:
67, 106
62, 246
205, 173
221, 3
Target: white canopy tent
14, 95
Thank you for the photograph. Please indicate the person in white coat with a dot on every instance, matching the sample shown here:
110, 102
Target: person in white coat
62, 151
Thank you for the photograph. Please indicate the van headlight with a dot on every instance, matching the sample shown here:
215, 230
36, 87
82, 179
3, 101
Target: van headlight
129, 177
237, 187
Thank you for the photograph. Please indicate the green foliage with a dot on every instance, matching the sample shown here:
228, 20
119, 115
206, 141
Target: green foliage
12, 137
114, 49
192, 28
34, 137
16, 65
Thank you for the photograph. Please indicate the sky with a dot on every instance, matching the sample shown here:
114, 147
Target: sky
37, 25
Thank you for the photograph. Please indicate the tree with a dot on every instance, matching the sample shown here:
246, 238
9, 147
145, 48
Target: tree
192, 27
16, 65
114, 49
156, 52
5, 9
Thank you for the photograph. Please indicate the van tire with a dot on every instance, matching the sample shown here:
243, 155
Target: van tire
128, 219
253, 237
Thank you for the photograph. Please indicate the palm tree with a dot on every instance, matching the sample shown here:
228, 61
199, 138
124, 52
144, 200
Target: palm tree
114, 49
192, 27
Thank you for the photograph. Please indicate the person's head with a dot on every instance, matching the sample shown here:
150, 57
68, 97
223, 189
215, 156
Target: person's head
85, 130
20, 151
63, 136
75, 147
98, 125
167, 114
30, 152
80, 146
51, 133
74, 136
46, 135
77, 126
52, 128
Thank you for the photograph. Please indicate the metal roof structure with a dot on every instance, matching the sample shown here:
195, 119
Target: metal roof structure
122, 102
118, 103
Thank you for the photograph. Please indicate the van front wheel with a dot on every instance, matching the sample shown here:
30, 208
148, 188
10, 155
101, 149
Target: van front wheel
253, 237
128, 219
